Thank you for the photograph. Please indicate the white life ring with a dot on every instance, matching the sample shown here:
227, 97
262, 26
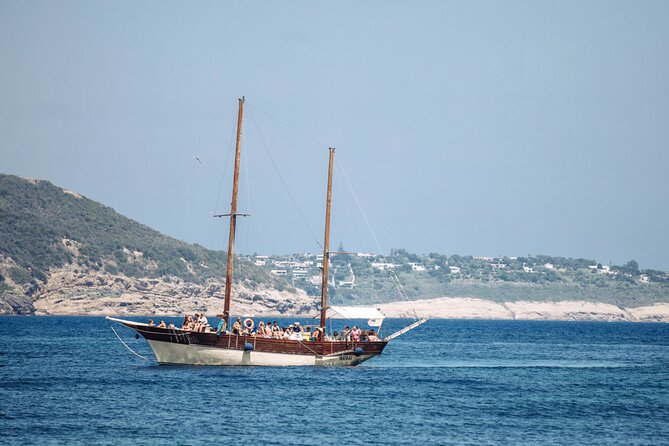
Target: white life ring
248, 323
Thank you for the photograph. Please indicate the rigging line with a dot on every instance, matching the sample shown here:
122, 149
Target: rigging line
364, 216
304, 220
220, 186
352, 224
126, 345
288, 126
225, 171
398, 284
248, 191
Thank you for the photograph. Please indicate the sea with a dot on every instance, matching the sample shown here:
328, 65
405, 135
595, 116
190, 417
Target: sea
69, 380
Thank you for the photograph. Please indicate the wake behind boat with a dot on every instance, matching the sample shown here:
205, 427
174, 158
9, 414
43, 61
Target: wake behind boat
239, 347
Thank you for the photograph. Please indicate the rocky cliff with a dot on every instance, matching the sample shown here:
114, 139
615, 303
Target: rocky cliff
62, 253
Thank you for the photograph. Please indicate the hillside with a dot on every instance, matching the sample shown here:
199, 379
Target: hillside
62, 253
58, 247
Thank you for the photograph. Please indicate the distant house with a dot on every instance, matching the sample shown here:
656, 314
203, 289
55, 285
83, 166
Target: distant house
300, 273
416, 266
606, 269
549, 266
279, 272
527, 269
644, 278
365, 255
346, 284
383, 266
288, 263
454, 269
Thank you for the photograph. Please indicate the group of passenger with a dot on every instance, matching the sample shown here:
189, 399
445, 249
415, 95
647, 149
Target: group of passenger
272, 330
197, 323
161, 325
356, 335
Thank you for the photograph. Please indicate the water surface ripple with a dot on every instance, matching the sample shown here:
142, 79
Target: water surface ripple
67, 380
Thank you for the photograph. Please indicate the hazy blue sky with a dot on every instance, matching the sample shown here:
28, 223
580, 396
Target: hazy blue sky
483, 128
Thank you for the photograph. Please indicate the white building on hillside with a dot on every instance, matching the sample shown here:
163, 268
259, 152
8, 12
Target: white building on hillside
416, 266
383, 266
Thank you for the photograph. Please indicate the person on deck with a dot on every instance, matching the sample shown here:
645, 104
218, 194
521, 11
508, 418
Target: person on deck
355, 334
222, 327
296, 335
204, 323
237, 327
162, 324
346, 334
371, 336
151, 324
276, 331
316, 334
306, 334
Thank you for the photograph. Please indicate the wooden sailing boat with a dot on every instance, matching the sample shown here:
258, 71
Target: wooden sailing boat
177, 346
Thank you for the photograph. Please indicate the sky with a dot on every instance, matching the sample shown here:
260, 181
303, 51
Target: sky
481, 128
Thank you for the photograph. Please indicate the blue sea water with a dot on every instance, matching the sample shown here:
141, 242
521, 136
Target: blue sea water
68, 380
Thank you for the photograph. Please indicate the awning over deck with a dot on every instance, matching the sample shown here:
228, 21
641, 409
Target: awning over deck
373, 315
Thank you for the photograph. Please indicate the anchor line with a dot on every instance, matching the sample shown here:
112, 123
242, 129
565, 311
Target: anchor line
307, 347
126, 345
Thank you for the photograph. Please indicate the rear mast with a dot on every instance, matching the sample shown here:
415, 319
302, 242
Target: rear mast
326, 245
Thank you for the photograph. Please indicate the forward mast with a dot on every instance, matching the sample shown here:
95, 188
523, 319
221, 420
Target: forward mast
233, 215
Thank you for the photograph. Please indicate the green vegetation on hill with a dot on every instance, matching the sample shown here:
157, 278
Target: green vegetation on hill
44, 227
373, 279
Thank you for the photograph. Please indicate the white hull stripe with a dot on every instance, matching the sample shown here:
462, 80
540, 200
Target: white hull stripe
181, 354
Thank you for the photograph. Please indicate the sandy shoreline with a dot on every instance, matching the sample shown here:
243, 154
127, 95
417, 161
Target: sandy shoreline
473, 308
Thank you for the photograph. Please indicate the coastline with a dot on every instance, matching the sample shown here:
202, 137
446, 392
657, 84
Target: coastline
571, 310
433, 308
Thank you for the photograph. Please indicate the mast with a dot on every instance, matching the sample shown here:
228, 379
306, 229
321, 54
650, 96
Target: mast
233, 214
326, 244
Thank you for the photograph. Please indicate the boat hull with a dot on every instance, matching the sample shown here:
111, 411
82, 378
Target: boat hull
181, 347
168, 353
